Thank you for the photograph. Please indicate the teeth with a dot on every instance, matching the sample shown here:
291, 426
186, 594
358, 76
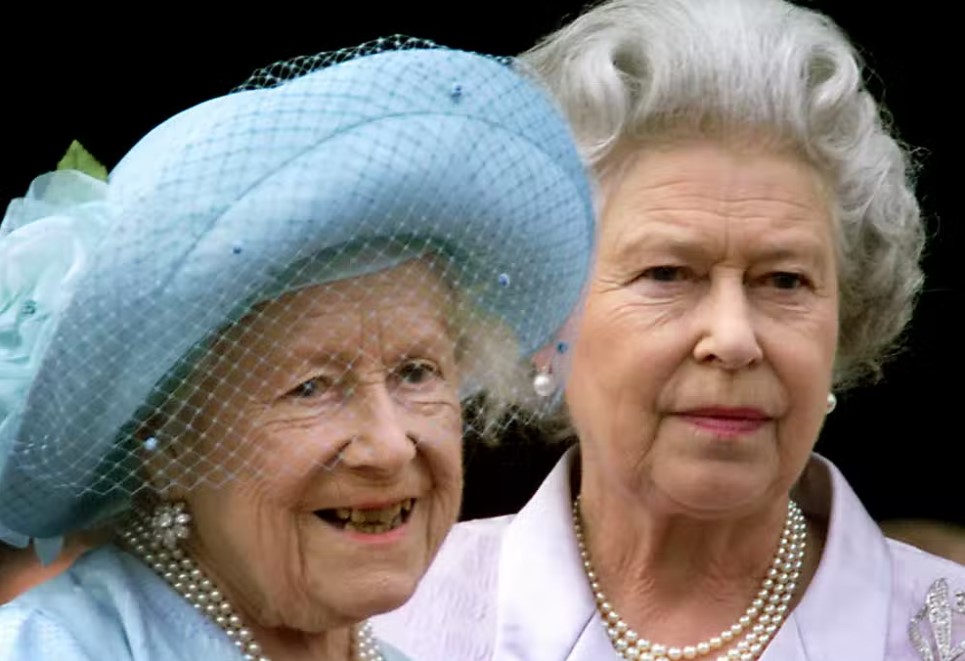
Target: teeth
375, 527
383, 515
374, 520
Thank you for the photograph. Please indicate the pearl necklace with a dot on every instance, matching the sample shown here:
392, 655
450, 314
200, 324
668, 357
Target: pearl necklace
758, 623
184, 575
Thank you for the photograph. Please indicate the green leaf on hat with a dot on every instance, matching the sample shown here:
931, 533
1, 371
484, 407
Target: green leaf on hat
78, 158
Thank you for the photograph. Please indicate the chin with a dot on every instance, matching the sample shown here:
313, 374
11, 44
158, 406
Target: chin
715, 489
387, 597
389, 602
390, 589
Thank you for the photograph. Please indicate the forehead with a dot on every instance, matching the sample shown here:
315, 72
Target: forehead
410, 302
704, 189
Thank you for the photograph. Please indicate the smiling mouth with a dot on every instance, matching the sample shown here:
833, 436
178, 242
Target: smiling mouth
369, 521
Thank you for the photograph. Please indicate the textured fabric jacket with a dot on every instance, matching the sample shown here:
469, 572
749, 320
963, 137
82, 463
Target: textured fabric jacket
110, 606
513, 589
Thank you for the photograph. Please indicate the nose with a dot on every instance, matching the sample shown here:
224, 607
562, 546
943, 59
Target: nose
381, 443
728, 337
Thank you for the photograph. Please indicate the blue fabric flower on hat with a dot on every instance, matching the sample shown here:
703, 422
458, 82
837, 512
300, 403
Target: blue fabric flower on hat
46, 240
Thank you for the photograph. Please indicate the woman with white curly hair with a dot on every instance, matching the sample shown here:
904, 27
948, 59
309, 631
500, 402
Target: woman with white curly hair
758, 251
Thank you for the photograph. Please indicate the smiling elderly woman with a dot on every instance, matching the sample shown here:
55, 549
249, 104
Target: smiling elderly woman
249, 350
758, 249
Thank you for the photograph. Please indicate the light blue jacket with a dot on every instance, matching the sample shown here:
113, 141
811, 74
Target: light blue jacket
111, 606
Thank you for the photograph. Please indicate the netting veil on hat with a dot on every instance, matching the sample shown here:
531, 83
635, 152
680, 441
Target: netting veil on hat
178, 300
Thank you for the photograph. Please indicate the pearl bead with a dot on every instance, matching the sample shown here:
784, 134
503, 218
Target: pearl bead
189, 580
776, 591
544, 384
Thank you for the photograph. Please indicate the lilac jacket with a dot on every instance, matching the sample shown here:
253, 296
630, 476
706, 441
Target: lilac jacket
512, 588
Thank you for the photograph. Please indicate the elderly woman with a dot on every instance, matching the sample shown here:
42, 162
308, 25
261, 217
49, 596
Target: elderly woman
249, 350
758, 249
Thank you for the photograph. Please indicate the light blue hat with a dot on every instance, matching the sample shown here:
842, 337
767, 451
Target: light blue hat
345, 170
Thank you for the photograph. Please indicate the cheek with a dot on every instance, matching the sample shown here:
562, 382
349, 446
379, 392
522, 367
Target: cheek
803, 357
440, 443
246, 526
622, 357
439, 456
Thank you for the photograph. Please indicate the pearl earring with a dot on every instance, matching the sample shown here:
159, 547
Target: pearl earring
832, 402
544, 383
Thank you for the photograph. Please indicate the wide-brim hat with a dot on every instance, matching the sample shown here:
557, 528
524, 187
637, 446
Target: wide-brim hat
346, 170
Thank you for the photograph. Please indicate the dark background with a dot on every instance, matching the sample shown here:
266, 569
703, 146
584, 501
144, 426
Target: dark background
107, 78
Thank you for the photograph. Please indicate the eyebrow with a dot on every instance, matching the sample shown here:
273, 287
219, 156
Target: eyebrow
424, 334
789, 244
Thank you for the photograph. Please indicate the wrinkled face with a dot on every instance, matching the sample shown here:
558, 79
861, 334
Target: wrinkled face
703, 362
334, 415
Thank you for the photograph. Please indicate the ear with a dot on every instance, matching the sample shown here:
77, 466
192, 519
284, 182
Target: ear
165, 456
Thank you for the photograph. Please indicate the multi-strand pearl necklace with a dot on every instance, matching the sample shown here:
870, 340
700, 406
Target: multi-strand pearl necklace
184, 575
743, 641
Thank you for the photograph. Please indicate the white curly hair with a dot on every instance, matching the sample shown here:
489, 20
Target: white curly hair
632, 72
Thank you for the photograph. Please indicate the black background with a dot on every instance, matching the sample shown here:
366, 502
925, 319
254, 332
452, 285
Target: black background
106, 78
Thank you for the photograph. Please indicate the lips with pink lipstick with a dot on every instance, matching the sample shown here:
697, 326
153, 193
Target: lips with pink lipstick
726, 421
369, 520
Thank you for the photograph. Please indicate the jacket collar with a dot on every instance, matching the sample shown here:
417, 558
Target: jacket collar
547, 613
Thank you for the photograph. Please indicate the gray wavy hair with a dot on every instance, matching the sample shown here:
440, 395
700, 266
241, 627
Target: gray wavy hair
629, 72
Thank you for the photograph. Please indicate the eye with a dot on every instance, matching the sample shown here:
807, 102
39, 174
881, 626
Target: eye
665, 273
314, 387
786, 280
417, 372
